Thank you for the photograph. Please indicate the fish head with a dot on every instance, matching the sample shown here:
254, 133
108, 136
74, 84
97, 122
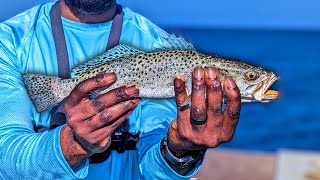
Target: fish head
254, 83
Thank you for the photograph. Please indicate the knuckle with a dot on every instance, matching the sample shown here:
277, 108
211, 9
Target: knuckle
99, 79
179, 86
198, 86
234, 115
198, 113
85, 110
235, 95
126, 105
99, 103
215, 85
121, 94
71, 122
106, 116
215, 110
80, 88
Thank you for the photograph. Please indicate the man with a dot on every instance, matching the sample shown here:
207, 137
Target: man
173, 138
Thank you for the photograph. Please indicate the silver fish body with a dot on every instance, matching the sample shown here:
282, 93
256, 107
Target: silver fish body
154, 73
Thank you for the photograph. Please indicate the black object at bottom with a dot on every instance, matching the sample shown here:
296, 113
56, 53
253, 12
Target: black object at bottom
121, 140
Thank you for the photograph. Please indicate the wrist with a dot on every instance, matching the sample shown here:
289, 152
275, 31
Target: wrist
181, 147
183, 164
73, 152
175, 144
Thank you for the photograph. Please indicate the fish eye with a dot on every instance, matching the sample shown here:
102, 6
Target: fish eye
251, 75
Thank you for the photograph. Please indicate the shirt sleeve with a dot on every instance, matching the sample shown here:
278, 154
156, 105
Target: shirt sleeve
156, 116
25, 154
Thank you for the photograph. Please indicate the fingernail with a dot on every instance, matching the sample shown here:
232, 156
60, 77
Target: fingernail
230, 83
107, 77
212, 73
198, 73
178, 83
181, 77
135, 101
132, 90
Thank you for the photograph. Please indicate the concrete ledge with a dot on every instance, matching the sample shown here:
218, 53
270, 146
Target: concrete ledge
226, 164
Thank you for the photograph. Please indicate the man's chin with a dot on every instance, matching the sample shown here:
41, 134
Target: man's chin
89, 7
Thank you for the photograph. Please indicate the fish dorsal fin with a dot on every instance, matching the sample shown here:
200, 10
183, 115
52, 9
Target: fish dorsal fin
119, 51
172, 42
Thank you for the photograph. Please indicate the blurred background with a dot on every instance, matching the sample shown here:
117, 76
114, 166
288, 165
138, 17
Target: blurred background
280, 35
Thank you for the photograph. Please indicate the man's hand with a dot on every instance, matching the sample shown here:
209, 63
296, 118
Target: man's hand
204, 124
90, 122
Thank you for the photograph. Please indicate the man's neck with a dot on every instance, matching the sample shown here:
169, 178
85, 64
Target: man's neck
66, 12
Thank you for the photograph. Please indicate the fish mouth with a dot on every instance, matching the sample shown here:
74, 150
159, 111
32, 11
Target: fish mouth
263, 93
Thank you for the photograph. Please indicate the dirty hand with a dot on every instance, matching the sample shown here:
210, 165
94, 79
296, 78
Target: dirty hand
204, 124
90, 122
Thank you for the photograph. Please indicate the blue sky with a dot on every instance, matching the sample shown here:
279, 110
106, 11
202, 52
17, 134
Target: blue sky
279, 14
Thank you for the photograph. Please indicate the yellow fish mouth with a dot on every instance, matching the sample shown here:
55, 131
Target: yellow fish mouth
271, 94
263, 93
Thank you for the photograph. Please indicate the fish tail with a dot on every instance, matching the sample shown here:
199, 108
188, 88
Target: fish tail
44, 91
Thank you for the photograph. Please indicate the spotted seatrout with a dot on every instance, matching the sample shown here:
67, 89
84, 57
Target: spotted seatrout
153, 72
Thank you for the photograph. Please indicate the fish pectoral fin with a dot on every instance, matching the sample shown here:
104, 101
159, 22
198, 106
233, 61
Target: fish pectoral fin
187, 102
172, 42
119, 51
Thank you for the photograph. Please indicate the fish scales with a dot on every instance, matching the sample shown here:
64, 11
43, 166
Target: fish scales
154, 74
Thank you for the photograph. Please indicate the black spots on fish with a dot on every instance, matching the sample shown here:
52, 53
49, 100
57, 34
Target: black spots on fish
132, 51
223, 72
101, 69
188, 57
138, 75
139, 56
136, 69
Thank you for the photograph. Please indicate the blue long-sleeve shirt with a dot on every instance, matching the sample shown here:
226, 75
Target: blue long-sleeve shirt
26, 45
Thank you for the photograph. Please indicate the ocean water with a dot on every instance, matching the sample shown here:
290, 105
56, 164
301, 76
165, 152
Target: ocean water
293, 121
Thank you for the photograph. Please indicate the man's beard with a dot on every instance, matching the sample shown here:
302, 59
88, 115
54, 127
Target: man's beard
89, 6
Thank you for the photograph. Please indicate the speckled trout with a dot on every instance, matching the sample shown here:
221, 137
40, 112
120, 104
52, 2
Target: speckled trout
154, 73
